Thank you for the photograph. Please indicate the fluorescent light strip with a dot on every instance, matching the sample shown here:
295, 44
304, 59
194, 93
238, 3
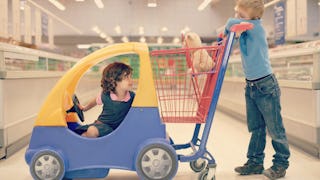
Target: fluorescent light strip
160, 40
152, 3
109, 40
103, 35
271, 3
141, 30
164, 29
204, 4
83, 46
55, 17
58, 4
124, 39
99, 3
117, 29
22, 4
96, 29
185, 30
142, 39
176, 40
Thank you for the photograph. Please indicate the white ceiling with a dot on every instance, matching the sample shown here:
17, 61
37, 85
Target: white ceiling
131, 14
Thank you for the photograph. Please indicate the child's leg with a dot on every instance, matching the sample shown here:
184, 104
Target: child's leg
81, 129
271, 109
278, 134
256, 126
92, 132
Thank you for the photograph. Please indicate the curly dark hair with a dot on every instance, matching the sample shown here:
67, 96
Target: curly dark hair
112, 74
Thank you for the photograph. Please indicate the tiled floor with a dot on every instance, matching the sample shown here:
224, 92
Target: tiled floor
227, 142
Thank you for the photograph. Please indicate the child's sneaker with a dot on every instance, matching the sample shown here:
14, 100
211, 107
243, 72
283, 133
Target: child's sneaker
275, 172
249, 168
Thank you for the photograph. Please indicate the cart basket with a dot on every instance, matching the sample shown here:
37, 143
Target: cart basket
184, 94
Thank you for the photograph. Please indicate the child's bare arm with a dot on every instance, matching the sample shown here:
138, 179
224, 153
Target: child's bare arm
90, 105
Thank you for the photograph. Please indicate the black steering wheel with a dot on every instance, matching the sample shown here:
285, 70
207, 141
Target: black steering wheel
75, 108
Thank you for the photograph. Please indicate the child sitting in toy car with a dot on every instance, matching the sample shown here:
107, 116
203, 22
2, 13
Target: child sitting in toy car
116, 98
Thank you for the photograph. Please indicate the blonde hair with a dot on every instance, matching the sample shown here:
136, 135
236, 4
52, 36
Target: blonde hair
256, 7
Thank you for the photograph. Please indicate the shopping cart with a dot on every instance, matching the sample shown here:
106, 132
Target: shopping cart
140, 142
188, 96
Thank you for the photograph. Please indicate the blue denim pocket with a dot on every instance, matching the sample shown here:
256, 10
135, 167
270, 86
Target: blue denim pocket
267, 86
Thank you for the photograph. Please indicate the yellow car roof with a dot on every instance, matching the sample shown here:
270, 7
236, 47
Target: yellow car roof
53, 111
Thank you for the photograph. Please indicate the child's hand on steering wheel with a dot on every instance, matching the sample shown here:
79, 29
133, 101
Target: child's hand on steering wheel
81, 107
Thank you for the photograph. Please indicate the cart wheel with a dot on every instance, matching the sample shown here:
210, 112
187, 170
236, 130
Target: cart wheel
203, 175
47, 165
198, 165
157, 161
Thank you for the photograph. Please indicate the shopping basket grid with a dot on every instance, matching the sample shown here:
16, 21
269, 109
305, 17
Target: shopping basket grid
184, 94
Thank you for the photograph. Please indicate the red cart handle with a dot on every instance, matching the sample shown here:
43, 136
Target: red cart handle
241, 27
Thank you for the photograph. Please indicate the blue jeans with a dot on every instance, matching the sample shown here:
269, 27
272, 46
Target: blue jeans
263, 112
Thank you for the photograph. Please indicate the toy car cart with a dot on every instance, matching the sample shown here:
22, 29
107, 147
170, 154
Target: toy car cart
166, 93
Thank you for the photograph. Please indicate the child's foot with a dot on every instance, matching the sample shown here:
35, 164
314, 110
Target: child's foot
249, 168
275, 172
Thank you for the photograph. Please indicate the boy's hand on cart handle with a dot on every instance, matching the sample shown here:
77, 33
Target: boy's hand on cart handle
220, 37
238, 34
243, 26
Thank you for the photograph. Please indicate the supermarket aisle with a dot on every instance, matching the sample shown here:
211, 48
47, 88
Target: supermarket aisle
228, 142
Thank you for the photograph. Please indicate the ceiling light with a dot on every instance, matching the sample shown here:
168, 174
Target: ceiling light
22, 4
83, 46
142, 39
79, 0
117, 29
204, 4
124, 39
103, 35
152, 3
109, 40
141, 30
160, 40
96, 29
176, 40
99, 3
185, 30
164, 29
58, 4
49, 13
270, 3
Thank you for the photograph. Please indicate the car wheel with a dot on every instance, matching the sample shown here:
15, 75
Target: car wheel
157, 162
47, 165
